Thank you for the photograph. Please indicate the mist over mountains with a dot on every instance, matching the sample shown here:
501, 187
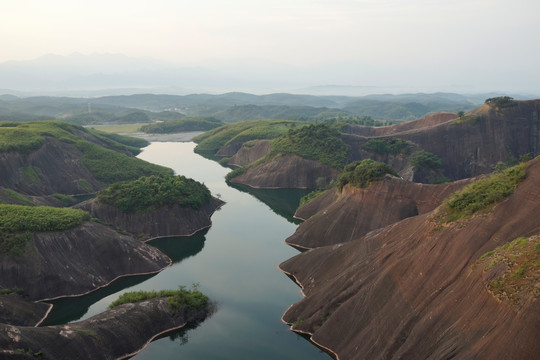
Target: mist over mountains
117, 74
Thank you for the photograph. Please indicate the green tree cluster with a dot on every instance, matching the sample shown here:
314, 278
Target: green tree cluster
152, 192
387, 147
362, 173
501, 101
425, 160
316, 142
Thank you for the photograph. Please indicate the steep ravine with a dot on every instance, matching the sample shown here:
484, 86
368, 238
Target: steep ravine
409, 290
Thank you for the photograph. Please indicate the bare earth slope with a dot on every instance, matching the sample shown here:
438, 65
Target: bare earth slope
289, 171
165, 221
357, 211
113, 334
77, 261
410, 290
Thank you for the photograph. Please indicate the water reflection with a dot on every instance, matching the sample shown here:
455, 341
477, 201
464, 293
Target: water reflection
177, 248
283, 202
70, 309
181, 247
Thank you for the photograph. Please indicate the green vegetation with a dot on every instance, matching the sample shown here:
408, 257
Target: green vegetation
179, 300
521, 270
362, 173
31, 174
468, 118
152, 192
66, 200
106, 164
482, 193
423, 160
17, 222
16, 197
312, 195
387, 147
110, 166
501, 101
316, 142
87, 332
120, 128
8, 291
183, 125
211, 141
237, 172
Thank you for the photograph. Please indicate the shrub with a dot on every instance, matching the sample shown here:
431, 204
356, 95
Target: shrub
316, 142
387, 147
152, 192
362, 173
501, 101
181, 125
179, 300
312, 195
425, 160
483, 193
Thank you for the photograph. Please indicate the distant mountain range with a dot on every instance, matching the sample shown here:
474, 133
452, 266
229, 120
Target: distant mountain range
116, 74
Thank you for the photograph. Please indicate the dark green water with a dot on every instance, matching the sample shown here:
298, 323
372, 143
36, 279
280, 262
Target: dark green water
234, 262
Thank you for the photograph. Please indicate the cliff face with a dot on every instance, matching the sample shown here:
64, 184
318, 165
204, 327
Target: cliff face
165, 221
412, 290
15, 310
77, 261
289, 171
355, 212
248, 154
54, 168
469, 146
114, 334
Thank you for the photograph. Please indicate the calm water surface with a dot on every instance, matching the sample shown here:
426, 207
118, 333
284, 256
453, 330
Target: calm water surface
234, 262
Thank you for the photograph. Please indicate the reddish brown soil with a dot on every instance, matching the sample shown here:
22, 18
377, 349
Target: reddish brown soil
410, 291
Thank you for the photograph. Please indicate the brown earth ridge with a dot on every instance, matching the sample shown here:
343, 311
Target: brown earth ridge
411, 290
469, 146
119, 333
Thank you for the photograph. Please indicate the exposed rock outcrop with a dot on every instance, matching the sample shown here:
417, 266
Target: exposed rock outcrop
77, 261
118, 333
249, 154
15, 310
288, 171
55, 167
354, 212
165, 221
409, 290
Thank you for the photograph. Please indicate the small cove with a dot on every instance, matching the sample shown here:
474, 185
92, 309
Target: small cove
234, 262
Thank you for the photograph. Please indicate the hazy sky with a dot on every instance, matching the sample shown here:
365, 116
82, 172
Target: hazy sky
456, 39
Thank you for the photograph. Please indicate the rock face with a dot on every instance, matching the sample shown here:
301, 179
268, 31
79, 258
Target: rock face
55, 168
15, 310
115, 334
165, 221
345, 216
410, 290
289, 171
248, 154
468, 147
77, 261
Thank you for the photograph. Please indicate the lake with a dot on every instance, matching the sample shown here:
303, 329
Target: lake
235, 263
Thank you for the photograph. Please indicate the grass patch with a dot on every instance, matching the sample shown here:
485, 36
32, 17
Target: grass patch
312, 195
15, 196
19, 218
179, 300
473, 119
31, 174
88, 332
520, 275
211, 141
362, 173
152, 192
115, 129
481, 194
66, 200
